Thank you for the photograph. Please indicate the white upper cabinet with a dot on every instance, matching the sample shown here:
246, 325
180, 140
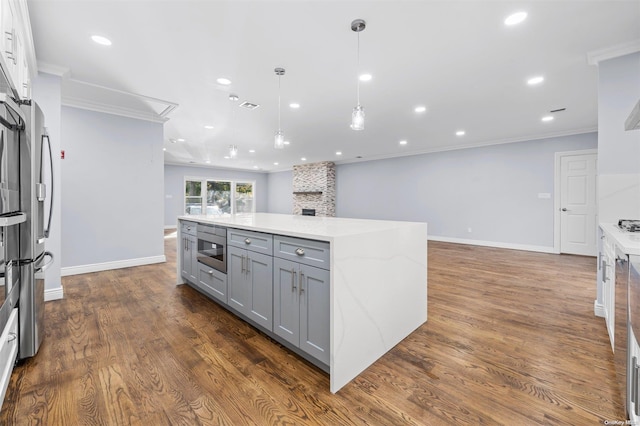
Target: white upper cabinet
16, 46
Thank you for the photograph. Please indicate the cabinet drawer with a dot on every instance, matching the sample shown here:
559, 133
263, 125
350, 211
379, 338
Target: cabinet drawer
189, 228
212, 230
309, 252
8, 351
212, 282
250, 240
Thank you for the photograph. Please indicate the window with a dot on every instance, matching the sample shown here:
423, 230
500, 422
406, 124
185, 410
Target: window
221, 197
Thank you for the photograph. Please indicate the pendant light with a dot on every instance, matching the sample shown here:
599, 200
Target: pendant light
233, 149
279, 138
357, 117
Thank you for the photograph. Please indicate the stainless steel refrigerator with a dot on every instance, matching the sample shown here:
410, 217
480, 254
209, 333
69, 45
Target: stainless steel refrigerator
35, 198
25, 203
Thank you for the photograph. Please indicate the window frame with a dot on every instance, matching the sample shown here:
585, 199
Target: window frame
203, 192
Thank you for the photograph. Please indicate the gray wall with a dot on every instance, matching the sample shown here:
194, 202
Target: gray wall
492, 190
112, 175
174, 187
280, 192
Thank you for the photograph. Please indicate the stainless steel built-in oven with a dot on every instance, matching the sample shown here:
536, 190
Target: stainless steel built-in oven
212, 246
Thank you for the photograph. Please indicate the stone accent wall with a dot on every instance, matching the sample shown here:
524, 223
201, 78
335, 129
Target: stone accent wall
314, 187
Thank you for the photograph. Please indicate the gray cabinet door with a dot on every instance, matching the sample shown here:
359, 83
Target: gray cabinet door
238, 285
314, 312
212, 282
189, 258
259, 274
286, 302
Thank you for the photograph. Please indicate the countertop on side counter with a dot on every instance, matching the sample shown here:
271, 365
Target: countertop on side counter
313, 227
629, 242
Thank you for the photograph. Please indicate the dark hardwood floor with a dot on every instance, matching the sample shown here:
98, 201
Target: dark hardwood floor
511, 339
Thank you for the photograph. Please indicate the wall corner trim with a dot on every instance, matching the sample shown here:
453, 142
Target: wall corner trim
597, 56
106, 266
53, 294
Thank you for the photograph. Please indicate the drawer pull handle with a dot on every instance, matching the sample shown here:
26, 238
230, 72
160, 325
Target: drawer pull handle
210, 272
300, 251
12, 337
247, 240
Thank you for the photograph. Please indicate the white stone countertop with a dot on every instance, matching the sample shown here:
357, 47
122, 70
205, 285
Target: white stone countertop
312, 227
629, 242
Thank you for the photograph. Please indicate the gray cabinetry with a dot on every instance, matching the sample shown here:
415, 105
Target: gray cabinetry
301, 301
189, 251
212, 282
250, 275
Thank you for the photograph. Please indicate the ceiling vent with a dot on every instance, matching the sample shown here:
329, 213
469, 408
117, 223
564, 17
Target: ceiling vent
248, 105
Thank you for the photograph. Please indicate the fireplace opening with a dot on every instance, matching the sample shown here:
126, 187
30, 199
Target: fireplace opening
308, 212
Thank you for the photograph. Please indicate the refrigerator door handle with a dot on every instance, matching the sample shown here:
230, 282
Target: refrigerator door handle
46, 265
48, 229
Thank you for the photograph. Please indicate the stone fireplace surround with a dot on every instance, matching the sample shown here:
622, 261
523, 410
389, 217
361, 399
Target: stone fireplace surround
314, 187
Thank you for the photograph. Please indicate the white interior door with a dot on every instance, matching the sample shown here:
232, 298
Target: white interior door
578, 205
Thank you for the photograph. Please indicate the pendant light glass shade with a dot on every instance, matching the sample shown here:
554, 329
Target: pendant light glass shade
357, 118
279, 140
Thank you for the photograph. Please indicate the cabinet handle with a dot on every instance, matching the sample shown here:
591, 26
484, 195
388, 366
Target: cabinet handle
293, 280
603, 268
300, 251
248, 263
301, 282
210, 272
12, 337
242, 264
247, 240
636, 369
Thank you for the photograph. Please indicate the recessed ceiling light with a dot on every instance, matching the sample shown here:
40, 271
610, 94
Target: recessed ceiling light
402, 142
460, 133
180, 140
252, 151
226, 157
224, 81
303, 159
294, 105
515, 18
535, 80
276, 163
420, 108
101, 40
208, 161
164, 149
338, 152
365, 77
286, 142
255, 167
208, 127
547, 118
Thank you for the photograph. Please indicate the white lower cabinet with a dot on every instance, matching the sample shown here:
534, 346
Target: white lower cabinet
301, 307
8, 352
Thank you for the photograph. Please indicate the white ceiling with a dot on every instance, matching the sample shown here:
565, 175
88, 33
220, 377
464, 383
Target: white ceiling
456, 58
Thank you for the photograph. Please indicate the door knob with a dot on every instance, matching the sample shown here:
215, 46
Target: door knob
564, 209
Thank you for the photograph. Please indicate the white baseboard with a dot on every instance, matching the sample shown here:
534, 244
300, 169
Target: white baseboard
53, 294
598, 309
106, 266
525, 247
171, 227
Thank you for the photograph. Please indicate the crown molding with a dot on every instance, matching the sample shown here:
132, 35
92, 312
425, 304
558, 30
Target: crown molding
112, 109
52, 69
597, 56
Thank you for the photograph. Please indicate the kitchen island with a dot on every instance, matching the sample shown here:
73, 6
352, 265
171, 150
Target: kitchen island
377, 279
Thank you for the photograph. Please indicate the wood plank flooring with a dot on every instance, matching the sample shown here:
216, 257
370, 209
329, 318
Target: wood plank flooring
511, 339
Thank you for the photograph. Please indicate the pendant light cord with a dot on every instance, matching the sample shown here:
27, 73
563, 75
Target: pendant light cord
279, 112
358, 71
